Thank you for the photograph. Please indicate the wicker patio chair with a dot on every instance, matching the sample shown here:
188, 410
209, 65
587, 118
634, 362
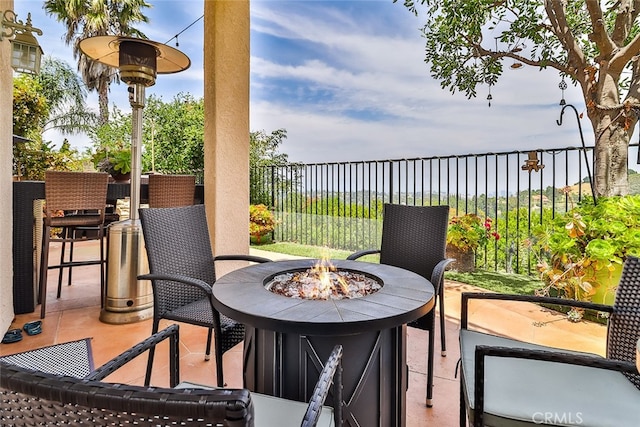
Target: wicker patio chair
182, 271
505, 382
82, 198
415, 238
37, 388
168, 191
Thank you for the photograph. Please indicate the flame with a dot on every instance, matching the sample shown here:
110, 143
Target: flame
327, 281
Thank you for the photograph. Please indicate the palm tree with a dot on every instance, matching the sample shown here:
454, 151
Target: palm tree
66, 96
90, 18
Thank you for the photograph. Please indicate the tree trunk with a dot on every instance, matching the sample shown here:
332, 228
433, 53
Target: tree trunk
611, 154
103, 100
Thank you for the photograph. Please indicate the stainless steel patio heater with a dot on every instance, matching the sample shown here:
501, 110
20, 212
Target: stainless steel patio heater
138, 60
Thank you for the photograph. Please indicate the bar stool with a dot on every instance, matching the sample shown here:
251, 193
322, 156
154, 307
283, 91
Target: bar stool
81, 233
83, 196
169, 191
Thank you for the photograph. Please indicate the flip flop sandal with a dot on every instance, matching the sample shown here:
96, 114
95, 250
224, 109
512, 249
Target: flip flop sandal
33, 328
12, 335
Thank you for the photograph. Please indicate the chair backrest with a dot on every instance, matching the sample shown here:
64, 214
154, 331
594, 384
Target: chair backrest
70, 191
36, 398
624, 324
414, 237
167, 191
177, 242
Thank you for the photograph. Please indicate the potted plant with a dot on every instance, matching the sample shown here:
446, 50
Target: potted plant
582, 251
116, 162
465, 234
261, 223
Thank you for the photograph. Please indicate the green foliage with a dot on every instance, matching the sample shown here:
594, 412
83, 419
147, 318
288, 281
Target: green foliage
30, 107
263, 148
31, 159
112, 151
37, 103
114, 161
336, 206
469, 232
589, 239
173, 134
498, 282
264, 159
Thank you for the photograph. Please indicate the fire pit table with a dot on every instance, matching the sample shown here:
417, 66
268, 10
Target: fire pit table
286, 338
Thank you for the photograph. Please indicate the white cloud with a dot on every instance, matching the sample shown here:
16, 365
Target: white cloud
366, 57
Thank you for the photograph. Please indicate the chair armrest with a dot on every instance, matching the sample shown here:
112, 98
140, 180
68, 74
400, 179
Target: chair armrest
125, 357
466, 296
484, 351
438, 273
178, 278
362, 253
331, 373
251, 258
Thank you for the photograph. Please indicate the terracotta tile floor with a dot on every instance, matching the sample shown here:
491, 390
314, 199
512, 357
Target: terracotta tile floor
76, 315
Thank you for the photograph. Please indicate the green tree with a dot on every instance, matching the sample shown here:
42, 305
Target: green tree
32, 111
595, 44
264, 158
30, 107
115, 134
173, 134
90, 18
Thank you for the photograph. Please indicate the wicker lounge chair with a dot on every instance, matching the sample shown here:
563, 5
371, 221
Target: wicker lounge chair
415, 238
505, 382
182, 271
33, 391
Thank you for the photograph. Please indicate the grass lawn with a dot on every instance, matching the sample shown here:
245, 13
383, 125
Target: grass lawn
490, 280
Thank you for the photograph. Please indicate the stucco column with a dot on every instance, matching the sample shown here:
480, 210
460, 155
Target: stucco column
226, 128
6, 180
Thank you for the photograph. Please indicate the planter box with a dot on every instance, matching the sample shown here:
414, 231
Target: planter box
464, 260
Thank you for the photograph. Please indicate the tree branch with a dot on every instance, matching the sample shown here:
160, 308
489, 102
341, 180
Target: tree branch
599, 36
624, 20
633, 94
625, 54
576, 60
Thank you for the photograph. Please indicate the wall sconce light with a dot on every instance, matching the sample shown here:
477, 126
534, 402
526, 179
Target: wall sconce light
25, 50
532, 163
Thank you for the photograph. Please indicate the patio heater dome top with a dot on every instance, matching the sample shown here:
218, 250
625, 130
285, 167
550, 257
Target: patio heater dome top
138, 60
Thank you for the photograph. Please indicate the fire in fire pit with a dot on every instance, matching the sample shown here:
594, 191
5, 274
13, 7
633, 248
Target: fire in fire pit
323, 281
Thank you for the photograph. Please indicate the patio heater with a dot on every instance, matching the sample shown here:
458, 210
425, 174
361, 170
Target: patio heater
139, 61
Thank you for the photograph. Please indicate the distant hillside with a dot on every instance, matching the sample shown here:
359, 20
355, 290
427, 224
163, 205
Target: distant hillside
634, 185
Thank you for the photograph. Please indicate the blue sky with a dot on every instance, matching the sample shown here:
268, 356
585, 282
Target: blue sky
348, 81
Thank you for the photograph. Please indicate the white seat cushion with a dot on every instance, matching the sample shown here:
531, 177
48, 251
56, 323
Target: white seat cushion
521, 392
272, 411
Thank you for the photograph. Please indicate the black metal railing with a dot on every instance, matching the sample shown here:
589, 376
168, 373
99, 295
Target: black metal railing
339, 205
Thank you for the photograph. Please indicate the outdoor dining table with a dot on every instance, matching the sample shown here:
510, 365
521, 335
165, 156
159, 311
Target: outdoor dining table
287, 338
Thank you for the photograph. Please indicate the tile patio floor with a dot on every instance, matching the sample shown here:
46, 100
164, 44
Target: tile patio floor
76, 315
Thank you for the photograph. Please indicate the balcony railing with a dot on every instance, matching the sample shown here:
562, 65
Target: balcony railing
339, 205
